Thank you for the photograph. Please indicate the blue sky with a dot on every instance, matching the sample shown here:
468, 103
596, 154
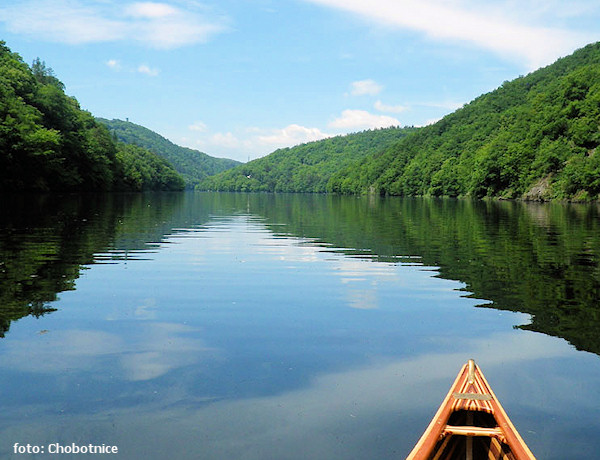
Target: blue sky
241, 78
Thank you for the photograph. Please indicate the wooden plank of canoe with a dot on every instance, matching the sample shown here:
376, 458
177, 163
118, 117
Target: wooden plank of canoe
471, 392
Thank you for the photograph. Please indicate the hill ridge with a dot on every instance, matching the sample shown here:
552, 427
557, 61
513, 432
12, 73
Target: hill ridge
533, 137
306, 167
192, 165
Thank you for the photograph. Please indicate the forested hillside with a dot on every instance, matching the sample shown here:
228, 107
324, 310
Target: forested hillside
47, 143
535, 137
191, 164
304, 168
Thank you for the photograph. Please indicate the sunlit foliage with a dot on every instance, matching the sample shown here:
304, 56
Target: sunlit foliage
535, 137
47, 143
306, 167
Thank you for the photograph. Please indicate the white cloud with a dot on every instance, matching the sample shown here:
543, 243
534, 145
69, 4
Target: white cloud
365, 87
361, 119
198, 126
145, 69
152, 72
158, 25
59, 20
470, 22
171, 28
252, 142
292, 135
113, 64
226, 140
389, 108
150, 10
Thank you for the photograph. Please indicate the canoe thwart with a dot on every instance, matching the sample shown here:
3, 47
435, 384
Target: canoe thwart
469, 414
472, 396
474, 431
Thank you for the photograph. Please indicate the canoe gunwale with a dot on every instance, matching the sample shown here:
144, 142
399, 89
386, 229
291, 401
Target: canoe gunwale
470, 392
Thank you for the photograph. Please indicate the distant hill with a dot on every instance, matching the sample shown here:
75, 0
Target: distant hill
192, 165
304, 168
535, 137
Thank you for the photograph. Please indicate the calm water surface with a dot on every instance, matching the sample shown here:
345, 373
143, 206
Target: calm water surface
218, 326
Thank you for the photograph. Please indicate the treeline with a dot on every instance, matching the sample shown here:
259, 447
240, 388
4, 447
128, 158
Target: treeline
535, 138
47, 143
144, 170
304, 168
192, 165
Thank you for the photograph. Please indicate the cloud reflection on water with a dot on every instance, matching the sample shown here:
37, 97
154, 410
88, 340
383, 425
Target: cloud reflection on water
149, 351
381, 407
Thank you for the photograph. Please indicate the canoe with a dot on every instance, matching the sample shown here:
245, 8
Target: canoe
471, 424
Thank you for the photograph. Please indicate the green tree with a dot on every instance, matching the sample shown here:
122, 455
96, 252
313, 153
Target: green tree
543, 128
47, 143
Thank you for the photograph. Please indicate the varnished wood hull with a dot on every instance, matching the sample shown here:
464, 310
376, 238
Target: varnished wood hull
471, 424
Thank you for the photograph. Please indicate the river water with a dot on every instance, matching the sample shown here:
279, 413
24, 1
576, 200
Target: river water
253, 326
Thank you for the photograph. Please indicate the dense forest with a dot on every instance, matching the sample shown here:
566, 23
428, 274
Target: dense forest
192, 165
304, 168
48, 143
535, 138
